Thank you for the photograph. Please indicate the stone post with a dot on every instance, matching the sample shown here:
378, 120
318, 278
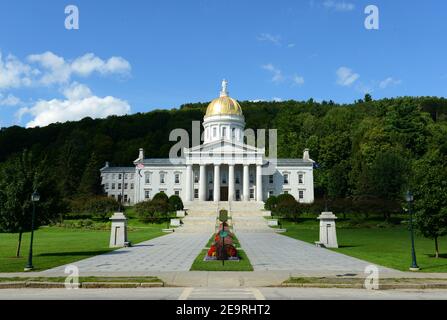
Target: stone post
118, 232
328, 233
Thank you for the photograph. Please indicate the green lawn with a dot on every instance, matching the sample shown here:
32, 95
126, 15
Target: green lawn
386, 245
242, 265
55, 246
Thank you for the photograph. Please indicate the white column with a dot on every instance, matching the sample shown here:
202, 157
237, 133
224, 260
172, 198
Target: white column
216, 191
246, 183
259, 183
188, 182
231, 182
202, 183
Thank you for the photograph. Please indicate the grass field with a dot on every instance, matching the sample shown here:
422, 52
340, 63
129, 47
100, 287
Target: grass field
55, 246
372, 241
242, 265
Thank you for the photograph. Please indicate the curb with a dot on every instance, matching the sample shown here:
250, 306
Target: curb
84, 285
362, 286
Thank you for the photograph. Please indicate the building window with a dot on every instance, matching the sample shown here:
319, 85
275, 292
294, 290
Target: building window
147, 177
252, 193
224, 132
196, 193
286, 178
286, 191
162, 178
147, 194
271, 193
238, 195
113, 186
301, 194
214, 132
177, 193
126, 176
271, 179
210, 178
119, 186
125, 186
300, 178
106, 186
125, 198
177, 178
252, 178
233, 133
120, 176
224, 178
131, 186
237, 178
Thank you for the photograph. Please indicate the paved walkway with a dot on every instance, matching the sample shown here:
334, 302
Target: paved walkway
173, 252
270, 251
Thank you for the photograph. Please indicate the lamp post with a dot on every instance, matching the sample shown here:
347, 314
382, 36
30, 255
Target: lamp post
409, 198
35, 197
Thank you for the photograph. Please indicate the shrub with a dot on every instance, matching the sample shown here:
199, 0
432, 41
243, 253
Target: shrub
161, 196
271, 203
288, 208
98, 207
284, 197
175, 203
151, 211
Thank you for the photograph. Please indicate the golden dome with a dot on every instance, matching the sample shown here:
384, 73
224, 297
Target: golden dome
224, 105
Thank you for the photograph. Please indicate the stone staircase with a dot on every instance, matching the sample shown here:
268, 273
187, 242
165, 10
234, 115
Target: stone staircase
246, 216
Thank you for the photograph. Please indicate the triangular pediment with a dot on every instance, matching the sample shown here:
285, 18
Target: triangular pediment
225, 146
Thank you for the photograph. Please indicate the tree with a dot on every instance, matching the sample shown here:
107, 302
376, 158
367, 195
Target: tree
175, 203
19, 177
91, 181
430, 196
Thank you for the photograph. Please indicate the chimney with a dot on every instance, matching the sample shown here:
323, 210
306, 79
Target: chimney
141, 154
306, 156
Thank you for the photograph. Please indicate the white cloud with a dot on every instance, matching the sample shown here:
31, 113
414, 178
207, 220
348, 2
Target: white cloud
277, 75
298, 80
338, 5
9, 101
389, 82
58, 70
291, 45
13, 73
277, 99
79, 103
270, 38
346, 77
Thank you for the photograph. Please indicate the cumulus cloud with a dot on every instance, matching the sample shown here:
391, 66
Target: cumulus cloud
58, 70
79, 103
9, 100
338, 5
390, 81
14, 73
346, 77
47, 68
298, 80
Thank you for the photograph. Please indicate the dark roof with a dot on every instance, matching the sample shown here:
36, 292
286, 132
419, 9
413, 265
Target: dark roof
293, 162
118, 169
158, 162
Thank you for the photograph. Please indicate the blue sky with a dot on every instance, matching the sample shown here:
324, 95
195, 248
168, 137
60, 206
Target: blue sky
135, 56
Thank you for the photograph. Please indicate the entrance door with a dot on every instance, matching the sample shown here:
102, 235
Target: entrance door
224, 193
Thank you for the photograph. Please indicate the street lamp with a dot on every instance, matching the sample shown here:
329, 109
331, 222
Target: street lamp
35, 197
409, 198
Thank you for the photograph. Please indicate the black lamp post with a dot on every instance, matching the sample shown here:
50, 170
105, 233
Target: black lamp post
35, 197
409, 198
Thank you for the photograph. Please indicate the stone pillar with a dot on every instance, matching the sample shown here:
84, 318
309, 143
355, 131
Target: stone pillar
259, 183
231, 182
328, 233
216, 191
188, 183
118, 232
246, 183
202, 183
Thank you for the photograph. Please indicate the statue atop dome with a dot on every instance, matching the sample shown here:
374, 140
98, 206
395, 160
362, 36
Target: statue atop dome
224, 91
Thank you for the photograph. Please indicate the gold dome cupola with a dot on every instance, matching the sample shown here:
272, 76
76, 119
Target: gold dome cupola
224, 105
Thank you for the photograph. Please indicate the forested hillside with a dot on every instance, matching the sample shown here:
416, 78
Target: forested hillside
367, 148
